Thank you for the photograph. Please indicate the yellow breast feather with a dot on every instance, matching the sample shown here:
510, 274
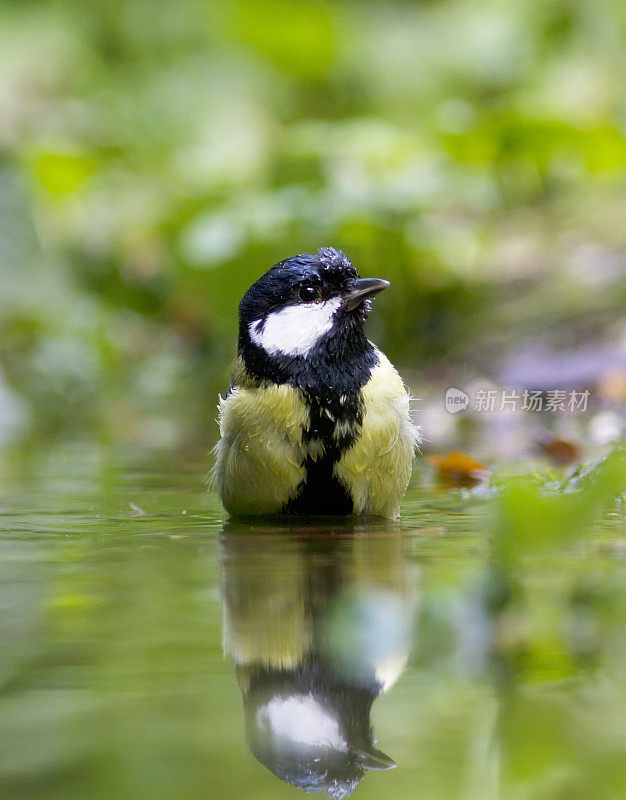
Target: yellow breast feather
259, 458
377, 468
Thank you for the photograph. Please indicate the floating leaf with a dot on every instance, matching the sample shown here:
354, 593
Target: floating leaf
459, 468
561, 451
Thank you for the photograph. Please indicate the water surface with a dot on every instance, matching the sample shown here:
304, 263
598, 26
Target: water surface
149, 650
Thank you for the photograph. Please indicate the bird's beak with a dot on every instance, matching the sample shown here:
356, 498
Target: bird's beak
361, 289
373, 758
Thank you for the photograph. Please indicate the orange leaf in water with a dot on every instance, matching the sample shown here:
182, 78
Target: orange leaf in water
560, 450
459, 467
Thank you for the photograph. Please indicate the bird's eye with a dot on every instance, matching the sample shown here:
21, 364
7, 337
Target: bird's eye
308, 293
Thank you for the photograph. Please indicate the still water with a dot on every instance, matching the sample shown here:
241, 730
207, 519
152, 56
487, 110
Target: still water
149, 650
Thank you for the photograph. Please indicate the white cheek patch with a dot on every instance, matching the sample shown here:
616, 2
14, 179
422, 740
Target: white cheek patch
302, 721
295, 330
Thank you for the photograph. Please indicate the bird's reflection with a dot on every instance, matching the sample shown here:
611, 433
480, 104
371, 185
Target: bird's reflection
317, 622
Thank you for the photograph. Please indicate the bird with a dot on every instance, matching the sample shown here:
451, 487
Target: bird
317, 628
316, 420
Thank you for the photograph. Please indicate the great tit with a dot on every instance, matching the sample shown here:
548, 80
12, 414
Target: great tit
318, 628
316, 419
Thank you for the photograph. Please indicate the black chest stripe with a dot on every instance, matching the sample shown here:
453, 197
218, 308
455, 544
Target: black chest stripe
322, 492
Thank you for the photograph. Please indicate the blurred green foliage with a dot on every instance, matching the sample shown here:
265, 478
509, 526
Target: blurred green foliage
534, 513
156, 157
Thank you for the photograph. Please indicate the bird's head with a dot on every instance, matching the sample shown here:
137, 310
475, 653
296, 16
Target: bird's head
305, 310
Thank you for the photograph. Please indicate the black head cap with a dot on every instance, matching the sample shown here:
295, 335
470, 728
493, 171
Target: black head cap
328, 272
322, 304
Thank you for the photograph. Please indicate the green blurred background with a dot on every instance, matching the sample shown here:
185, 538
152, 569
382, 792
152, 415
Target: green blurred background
157, 157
